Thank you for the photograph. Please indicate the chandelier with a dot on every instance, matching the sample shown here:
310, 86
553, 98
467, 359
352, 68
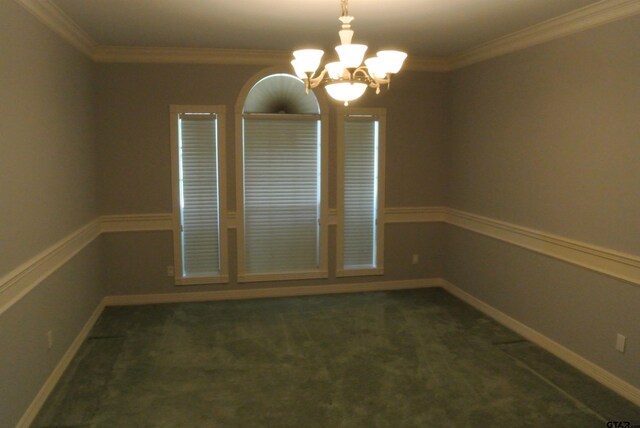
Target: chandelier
347, 79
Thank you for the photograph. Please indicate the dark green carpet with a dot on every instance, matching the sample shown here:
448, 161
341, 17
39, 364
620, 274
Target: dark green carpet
399, 359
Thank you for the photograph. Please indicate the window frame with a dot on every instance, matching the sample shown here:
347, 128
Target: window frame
323, 270
220, 112
379, 115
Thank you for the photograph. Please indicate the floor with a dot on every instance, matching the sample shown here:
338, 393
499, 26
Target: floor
418, 358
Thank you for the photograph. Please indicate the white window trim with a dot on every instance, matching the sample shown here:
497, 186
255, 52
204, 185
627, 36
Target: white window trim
380, 115
220, 111
323, 268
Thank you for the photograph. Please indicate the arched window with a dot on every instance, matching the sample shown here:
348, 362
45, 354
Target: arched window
281, 201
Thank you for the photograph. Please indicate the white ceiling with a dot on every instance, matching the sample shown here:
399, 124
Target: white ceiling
425, 28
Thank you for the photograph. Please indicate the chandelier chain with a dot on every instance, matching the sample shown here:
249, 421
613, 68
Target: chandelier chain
344, 4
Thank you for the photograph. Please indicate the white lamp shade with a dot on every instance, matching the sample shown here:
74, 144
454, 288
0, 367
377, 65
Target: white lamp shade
376, 68
345, 91
392, 60
298, 69
308, 60
335, 69
351, 56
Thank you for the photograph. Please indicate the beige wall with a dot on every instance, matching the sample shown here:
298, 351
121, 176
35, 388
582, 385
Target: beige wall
46, 117
135, 263
47, 191
62, 304
133, 132
549, 138
135, 168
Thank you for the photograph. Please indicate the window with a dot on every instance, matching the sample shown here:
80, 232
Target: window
360, 200
281, 211
199, 232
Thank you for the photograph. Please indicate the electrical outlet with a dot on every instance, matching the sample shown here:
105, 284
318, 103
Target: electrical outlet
170, 271
621, 341
415, 259
49, 339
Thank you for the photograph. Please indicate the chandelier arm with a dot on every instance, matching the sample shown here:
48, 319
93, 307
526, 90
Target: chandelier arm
314, 82
362, 69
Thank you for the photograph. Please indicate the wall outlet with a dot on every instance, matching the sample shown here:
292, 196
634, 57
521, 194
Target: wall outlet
170, 271
415, 259
49, 339
621, 341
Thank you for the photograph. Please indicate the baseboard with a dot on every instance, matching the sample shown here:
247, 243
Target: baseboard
261, 293
590, 369
39, 400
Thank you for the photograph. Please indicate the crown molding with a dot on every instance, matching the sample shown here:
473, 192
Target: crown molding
115, 54
433, 64
54, 18
579, 20
582, 19
189, 55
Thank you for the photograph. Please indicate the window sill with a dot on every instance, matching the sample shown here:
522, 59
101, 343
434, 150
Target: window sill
359, 272
201, 280
282, 276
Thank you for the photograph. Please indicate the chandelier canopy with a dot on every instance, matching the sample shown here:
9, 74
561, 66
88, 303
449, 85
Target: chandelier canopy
347, 79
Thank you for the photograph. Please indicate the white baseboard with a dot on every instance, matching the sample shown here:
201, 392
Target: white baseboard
39, 400
587, 367
261, 293
590, 369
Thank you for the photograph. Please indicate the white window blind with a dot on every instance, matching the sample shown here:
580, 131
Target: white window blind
198, 183
360, 193
281, 194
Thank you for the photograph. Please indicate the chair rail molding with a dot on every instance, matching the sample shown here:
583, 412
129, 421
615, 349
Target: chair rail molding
136, 222
599, 259
24, 278
415, 214
618, 265
613, 263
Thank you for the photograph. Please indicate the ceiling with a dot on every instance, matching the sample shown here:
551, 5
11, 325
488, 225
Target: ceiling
424, 28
